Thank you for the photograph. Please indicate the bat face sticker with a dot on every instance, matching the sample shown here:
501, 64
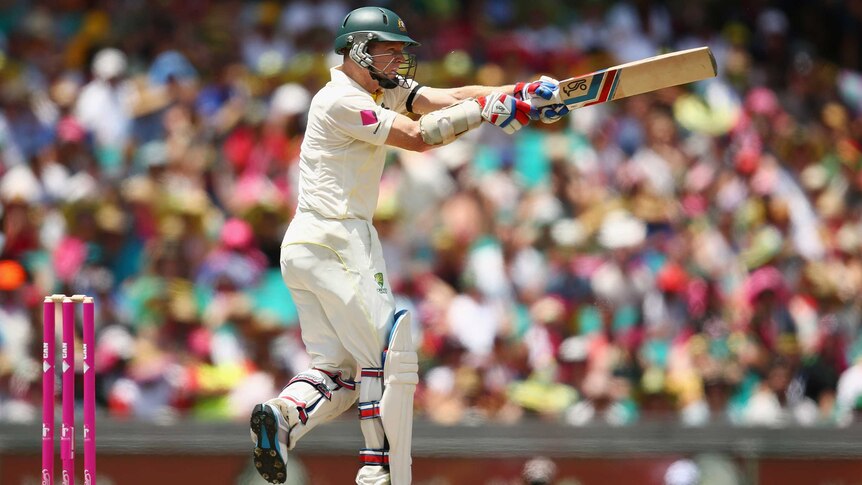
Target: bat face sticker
577, 85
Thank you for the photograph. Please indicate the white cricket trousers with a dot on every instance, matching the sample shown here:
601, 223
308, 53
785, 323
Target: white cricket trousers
335, 271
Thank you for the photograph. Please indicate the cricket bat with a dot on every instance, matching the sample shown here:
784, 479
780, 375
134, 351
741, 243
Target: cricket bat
650, 74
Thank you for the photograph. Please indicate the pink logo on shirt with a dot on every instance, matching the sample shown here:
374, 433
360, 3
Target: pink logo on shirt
369, 117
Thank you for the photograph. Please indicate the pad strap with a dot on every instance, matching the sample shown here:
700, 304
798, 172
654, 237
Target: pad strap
370, 456
339, 381
369, 410
315, 382
372, 372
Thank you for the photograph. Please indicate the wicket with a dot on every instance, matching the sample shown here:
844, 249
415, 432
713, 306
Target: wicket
67, 433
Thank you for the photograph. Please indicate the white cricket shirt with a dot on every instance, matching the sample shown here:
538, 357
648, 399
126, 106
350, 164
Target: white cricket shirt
343, 152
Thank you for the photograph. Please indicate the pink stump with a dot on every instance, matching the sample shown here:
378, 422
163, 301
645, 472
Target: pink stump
89, 393
67, 436
48, 364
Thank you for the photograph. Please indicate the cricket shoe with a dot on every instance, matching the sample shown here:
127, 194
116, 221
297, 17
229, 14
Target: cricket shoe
269, 431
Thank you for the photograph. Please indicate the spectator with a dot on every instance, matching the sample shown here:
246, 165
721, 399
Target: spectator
103, 108
539, 471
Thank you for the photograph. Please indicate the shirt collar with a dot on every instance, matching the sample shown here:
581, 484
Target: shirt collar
339, 77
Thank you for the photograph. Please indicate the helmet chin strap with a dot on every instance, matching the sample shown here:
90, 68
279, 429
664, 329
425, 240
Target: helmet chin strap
383, 81
359, 54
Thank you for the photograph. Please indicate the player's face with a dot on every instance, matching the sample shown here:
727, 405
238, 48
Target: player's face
389, 57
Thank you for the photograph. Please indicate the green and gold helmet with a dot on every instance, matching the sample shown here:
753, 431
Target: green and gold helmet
371, 23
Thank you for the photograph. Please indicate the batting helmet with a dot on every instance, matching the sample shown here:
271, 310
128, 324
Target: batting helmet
376, 23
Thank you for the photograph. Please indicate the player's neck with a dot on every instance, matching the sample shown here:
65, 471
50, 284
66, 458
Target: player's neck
360, 75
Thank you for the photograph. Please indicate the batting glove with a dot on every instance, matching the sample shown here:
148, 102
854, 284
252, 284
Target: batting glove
549, 114
505, 111
543, 88
538, 93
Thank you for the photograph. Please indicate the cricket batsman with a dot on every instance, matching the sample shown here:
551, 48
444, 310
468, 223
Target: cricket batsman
331, 258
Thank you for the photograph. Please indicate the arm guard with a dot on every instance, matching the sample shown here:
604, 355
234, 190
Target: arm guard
444, 125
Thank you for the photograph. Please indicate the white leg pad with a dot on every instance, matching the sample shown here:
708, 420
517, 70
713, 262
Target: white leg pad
312, 397
400, 376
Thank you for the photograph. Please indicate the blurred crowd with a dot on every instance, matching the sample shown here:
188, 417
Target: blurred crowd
693, 254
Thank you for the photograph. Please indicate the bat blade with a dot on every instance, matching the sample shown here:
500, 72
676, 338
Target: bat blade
638, 77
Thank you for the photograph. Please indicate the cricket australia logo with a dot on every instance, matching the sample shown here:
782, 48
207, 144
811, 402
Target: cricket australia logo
381, 287
401, 26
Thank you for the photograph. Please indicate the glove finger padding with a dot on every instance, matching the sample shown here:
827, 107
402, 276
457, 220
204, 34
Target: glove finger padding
549, 114
505, 111
543, 88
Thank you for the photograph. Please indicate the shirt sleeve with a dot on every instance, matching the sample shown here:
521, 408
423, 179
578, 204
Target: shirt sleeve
361, 118
397, 97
